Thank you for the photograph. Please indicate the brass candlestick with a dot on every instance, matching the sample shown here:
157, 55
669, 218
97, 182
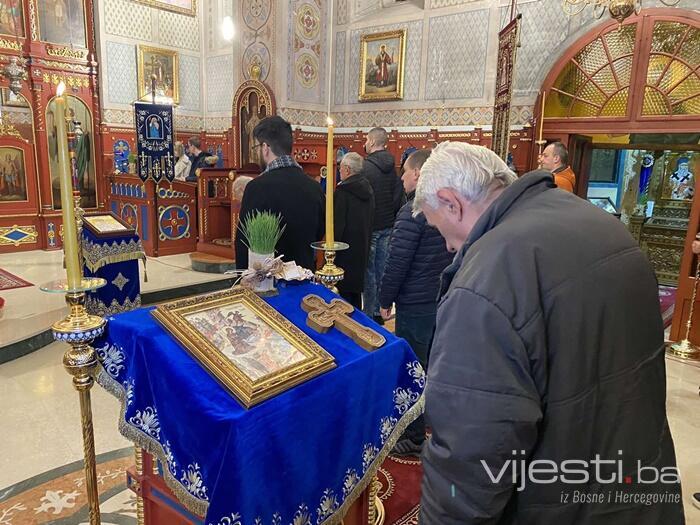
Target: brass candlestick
79, 329
539, 143
330, 274
685, 349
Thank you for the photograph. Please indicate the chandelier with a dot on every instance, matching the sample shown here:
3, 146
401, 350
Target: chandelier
618, 9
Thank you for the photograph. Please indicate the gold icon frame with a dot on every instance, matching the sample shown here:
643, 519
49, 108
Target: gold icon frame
398, 40
248, 390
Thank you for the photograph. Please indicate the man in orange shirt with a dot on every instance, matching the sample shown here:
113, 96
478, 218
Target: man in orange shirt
555, 158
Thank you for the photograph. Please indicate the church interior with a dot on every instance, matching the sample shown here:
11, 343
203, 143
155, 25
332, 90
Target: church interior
615, 81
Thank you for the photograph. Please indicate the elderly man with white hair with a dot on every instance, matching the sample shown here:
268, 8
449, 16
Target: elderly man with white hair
547, 378
352, 220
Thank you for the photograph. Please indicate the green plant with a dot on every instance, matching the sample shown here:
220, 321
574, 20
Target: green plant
261, 231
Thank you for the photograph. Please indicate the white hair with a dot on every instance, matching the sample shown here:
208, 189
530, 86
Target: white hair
239, 186
472, 171
354, 161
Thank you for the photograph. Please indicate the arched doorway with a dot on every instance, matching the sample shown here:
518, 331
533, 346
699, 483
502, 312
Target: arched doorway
626, 100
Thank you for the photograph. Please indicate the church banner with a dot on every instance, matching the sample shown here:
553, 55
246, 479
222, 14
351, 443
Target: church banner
508, 41
154, 141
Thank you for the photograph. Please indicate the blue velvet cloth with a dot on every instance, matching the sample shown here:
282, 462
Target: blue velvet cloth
115, 259
302, 455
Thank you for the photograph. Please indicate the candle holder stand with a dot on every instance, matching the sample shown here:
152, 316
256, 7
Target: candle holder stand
685, 349
330, 274
79, 329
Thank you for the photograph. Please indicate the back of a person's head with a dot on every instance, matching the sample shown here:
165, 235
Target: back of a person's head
560, 151
276, 133
416, 159
239, 186
354, 161
194, 141
379, 137
471, 171
179, 149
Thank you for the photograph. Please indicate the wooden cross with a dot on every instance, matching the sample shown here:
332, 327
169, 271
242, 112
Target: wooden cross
323, 316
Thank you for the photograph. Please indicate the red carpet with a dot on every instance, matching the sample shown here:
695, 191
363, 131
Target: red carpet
667, 300
400, 491
9, 281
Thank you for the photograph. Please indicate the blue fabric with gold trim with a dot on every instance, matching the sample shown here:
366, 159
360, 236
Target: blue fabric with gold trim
115, 259
301, 457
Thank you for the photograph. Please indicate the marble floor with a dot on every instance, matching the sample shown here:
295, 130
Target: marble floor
29, 311
40, 430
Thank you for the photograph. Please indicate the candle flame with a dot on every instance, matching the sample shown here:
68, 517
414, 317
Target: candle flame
61, 88
329, 121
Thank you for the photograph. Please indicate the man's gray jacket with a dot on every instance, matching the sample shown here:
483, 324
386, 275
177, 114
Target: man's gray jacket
548, 348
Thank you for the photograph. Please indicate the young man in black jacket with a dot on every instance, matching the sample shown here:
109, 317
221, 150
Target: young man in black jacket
197, 156
417, 257
379, 169
285, 189
353, 214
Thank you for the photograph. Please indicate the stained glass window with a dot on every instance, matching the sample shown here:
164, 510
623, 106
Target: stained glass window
673, 76
596, 81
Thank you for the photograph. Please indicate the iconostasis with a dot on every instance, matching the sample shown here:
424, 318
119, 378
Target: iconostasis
51, 41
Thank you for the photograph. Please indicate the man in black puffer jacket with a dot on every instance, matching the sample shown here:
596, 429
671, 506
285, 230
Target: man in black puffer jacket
546, 392
379, 170
417, 257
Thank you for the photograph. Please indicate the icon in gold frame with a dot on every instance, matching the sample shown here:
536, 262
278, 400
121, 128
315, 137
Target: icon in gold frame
382, 64
249, 347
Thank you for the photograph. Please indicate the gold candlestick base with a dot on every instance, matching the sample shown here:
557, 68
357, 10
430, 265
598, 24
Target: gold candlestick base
683, 350
330, 274
79, 329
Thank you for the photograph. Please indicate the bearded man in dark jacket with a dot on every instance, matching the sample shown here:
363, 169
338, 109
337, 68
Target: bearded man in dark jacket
417, 257
284, 189
546, 391
379, 169
353, 213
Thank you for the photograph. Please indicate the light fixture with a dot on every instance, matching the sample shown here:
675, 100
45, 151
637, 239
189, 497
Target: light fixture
618, 9
14, 73
228, 31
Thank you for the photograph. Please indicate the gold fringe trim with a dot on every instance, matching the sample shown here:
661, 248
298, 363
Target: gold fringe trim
199, 507
111, 259
409, 417
150, 445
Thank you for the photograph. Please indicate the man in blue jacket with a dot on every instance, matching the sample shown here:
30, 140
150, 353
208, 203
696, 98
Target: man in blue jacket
417, 257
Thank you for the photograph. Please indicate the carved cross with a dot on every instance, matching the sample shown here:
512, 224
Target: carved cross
323, 316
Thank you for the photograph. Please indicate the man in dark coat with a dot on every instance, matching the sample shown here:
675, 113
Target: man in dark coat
417, 257
379, 169
197, 156
285, 189
546, 391
353, 209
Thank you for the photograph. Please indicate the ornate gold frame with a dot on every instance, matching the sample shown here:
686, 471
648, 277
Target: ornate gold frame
364, 40
167, 7
248, 392
142, 92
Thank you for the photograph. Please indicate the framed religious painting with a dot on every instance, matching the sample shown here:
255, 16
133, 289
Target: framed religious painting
163, 64
679, 175
106, 225
11, 18
62, 22
249, 347
382, 57
185, 7
13, 177
11, 100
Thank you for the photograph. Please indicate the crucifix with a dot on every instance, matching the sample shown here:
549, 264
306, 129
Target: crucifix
324, 316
